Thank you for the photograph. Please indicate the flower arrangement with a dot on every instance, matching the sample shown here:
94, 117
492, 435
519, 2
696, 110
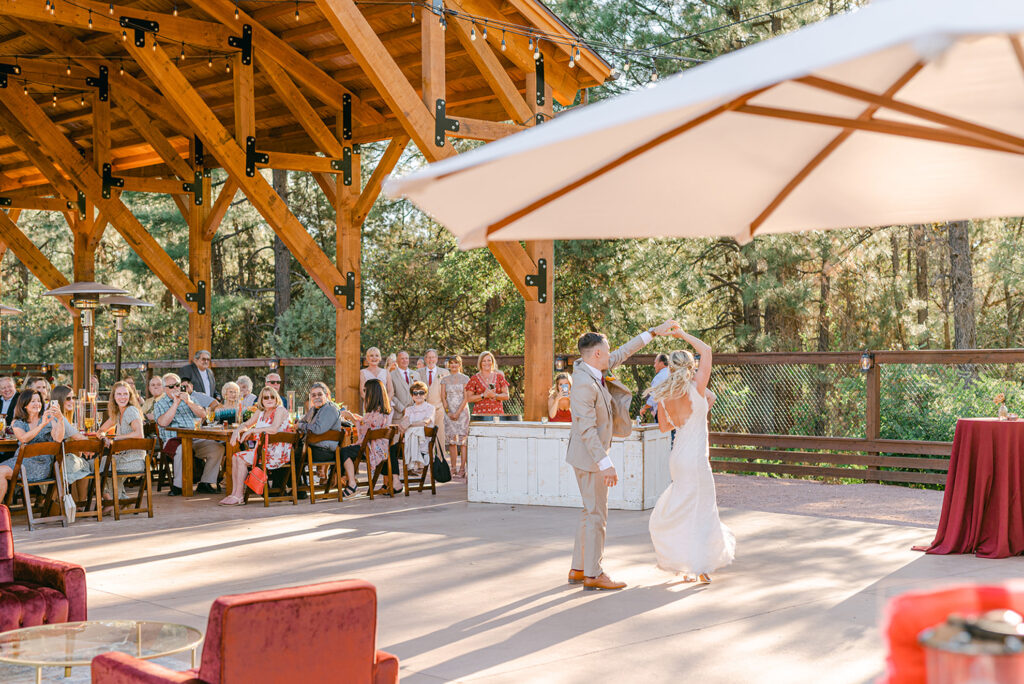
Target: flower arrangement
248, 413
1000, 399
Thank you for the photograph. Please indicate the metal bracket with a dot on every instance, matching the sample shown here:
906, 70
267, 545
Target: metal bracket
540, 80
252, 157
5, 201
540, 280
243, 43
199, 159
199, 297
442, 123
81, 205
141, 26
346, 117
101, 83
348, 290
8, 70
345, 164
110, 181
195, 187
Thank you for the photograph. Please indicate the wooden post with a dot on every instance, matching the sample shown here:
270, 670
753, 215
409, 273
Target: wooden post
873, 419
200, 248
539, 328
432, 46
348, 322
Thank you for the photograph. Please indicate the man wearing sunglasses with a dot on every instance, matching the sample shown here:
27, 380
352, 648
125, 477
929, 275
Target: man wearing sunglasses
274, 380
176, 410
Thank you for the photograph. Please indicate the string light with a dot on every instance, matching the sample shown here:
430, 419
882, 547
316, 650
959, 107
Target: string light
412, 15
24, 88
110, 8
181, 55
236, 10
54, 97
503, 40
485, 32
67, 70
296, 10
53, 7
154, 42
227, 65
120, 68
175, 11
536, 50
124, 35
530, 44
90, 18
472, 32
82, 100
209, 60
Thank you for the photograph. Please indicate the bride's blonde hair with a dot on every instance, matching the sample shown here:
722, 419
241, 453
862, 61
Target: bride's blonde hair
682, 368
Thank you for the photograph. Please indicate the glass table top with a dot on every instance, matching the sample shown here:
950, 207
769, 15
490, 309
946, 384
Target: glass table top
77, 643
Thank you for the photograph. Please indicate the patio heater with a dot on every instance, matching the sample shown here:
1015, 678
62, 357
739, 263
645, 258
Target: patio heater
120, 307
85, 297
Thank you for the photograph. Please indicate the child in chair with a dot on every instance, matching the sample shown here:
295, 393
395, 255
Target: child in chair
416, 417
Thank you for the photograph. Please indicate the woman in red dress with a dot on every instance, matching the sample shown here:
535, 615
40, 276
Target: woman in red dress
558, 399
488, 389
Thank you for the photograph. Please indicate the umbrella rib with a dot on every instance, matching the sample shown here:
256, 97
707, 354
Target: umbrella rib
619, 161
1018, 50
828, 150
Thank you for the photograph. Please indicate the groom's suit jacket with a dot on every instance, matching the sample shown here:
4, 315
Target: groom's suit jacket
599, 411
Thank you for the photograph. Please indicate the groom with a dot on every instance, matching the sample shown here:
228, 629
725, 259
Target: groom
600, 408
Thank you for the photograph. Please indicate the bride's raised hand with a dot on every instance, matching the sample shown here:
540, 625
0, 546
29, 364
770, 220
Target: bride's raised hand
667, 328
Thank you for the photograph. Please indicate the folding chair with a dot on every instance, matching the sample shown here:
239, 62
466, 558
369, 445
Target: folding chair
387, 433
312, 440
95, 447
149, 445
261, 460
54, 484
431, 433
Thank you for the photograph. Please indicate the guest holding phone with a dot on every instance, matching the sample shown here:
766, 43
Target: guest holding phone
488, 389
558, 399
32, 424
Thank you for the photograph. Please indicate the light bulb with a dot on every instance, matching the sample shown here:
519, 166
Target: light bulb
175, 12
210, 61
110, 8
83, 100
472, 33
120, 69
68, 69
227, 66
90, 18
485, 31
412, 16
181, 55
502, 41
154, 43
236, 12
124, 35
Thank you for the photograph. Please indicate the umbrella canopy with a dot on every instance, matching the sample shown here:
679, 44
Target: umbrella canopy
9, 311
907, 111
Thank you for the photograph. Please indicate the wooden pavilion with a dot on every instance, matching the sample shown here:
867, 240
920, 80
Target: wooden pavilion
100, 98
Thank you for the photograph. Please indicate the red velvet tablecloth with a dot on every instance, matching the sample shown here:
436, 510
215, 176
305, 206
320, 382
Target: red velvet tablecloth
983, 508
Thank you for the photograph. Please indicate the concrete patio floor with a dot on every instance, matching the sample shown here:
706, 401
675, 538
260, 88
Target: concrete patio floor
477, 592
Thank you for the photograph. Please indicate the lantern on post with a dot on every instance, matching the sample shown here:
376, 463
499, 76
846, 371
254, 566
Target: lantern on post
85, 297
867, 362
120, 307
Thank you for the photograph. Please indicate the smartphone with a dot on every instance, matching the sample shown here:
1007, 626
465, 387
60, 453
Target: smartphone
490, 385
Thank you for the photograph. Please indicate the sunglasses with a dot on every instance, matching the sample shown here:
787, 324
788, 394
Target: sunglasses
417, 393
273, 382
171, 386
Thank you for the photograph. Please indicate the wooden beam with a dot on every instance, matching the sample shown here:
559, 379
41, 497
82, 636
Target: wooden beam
99, 225
220, 207
172, 29
432, 50
14, 131
184, 206
300, 108
35, 261
53, 142
327, 182
482, 54
218, 141
245, 106
480, 129
150, 133
517, 264
40, 203
200, 270
385, 75
161, 186
327, 90
299, 162
385, 165
827, 151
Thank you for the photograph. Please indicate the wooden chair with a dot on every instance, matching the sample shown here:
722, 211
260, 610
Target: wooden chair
149, 445
54, 484
387, 433
431, 433
310, 441
163, 462
94, 446
261, 460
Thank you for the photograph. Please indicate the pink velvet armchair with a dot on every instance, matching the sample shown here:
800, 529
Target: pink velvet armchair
316, 633
36, 591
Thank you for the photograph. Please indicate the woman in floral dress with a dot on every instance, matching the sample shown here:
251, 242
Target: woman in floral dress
273, 417
456, 414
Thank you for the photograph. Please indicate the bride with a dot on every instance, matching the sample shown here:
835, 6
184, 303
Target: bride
687, 534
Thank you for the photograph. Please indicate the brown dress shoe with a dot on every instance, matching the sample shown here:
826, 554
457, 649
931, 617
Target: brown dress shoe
602, 581
575, 577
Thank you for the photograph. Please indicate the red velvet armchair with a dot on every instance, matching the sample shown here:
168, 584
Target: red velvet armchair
909, 614
36, 591
316, 633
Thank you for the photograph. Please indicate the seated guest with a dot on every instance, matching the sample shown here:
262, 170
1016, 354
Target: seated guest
245, 387
8, 398
323, 416
273, 381
200, 398
76, 466
156, 390
416, 417
488, 389
271, 417
41, 385
32, 424
377, 415
230, 411
124, 417
558, 399
175, 410
65, 398
200, 374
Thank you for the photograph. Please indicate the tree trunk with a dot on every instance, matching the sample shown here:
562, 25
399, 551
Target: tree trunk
282, 257
962, 285
921, 280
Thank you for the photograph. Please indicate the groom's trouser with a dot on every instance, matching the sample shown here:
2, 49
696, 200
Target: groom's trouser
589, 549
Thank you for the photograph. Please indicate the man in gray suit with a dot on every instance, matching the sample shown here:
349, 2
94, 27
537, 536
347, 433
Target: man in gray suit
600, 410
430, 375
402, 378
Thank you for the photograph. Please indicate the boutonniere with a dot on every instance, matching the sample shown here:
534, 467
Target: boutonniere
610, 378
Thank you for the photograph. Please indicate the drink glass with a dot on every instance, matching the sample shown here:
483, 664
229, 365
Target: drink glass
3, 424
198, 423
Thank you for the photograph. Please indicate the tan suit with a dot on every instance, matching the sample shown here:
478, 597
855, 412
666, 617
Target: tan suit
434, 390
401, 397
599, 412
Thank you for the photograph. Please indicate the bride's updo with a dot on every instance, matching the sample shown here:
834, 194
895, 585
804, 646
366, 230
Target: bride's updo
682, 368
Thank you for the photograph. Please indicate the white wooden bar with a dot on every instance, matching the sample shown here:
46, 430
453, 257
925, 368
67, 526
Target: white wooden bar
522, 462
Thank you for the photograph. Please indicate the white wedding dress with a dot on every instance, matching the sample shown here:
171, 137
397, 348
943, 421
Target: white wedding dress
687, 534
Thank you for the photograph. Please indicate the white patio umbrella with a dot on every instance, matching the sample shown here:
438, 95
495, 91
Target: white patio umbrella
906, 111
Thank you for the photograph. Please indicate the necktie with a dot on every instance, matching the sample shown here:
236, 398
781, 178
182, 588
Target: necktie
406, 377
430, 378
602, 381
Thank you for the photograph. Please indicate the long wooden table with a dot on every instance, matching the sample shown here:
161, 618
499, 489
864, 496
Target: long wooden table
217, 434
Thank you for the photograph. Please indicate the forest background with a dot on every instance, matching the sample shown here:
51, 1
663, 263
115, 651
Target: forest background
954, 285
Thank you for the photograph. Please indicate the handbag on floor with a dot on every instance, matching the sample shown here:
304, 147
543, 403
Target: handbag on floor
442, 471
69, 505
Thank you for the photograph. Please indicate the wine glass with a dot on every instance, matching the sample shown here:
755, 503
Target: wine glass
211, 415
3, 424
89, 422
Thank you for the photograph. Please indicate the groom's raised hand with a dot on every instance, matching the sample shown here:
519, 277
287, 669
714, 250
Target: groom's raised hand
610, 478
667, 328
